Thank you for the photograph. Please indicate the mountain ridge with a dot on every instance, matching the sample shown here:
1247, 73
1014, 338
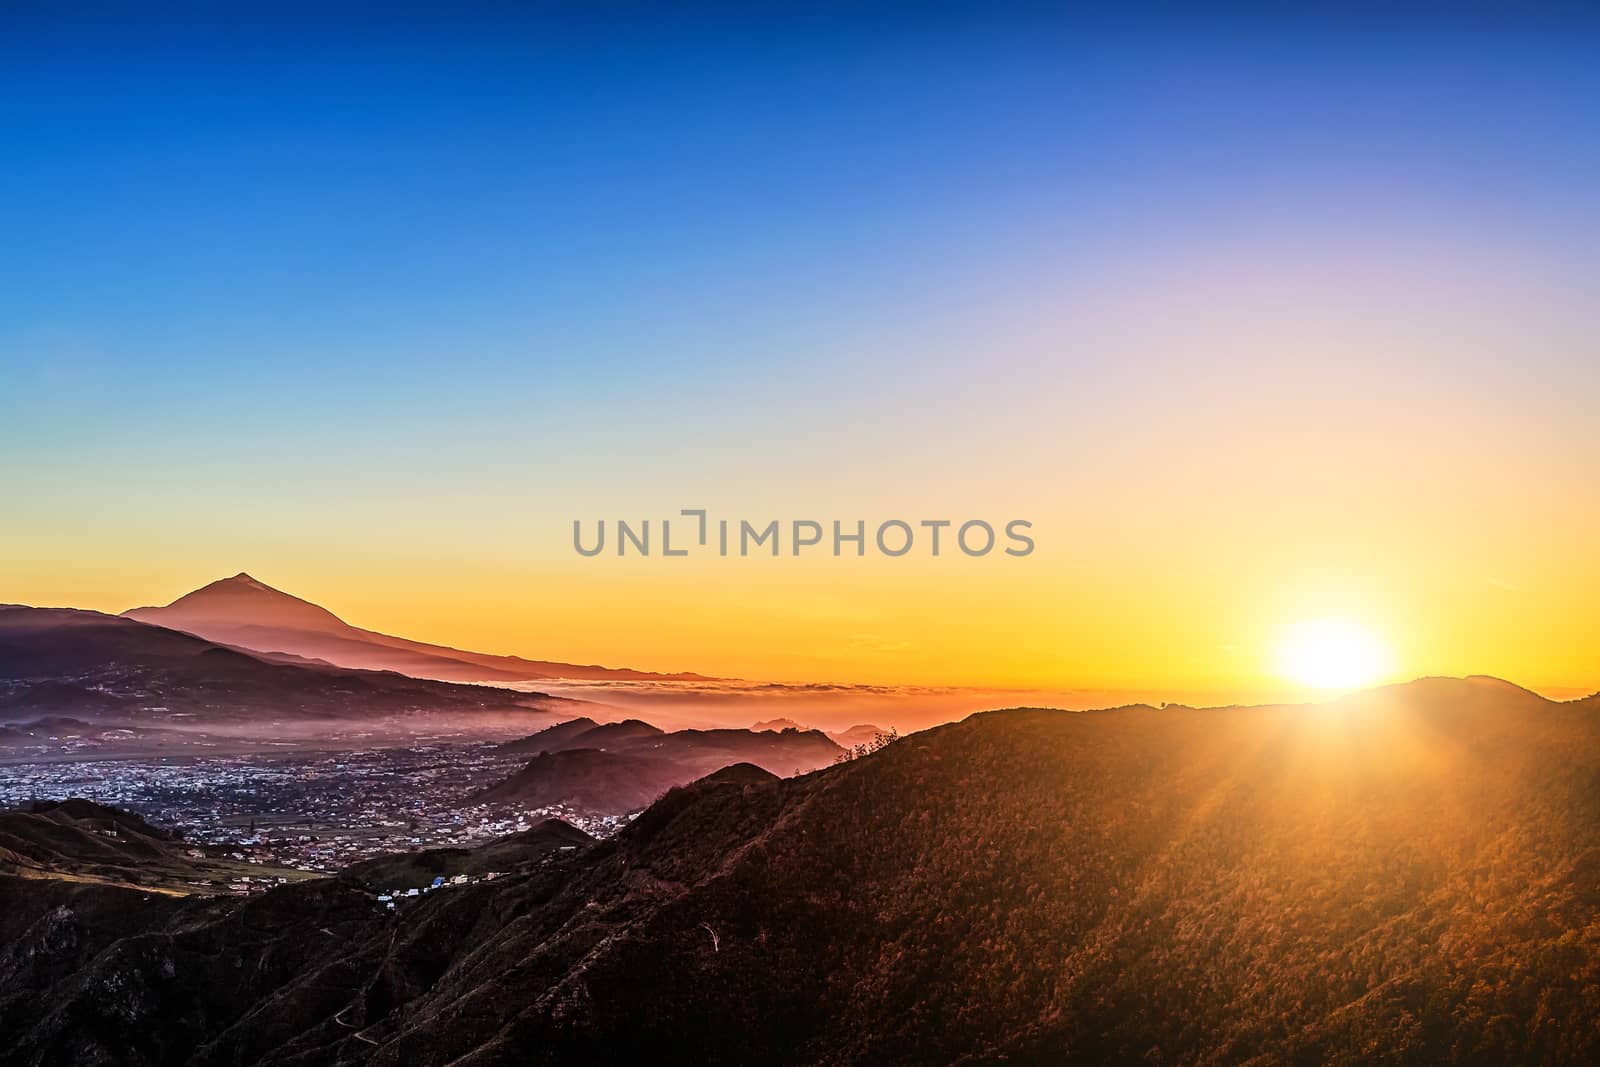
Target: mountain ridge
242, 610
618, 768
1328, 883
113, 670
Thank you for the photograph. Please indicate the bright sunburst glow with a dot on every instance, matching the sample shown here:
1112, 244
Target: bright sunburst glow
1331, 654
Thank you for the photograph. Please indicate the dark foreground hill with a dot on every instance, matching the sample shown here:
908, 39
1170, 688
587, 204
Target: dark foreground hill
71, 833
503, 855
1409, 876
82, 842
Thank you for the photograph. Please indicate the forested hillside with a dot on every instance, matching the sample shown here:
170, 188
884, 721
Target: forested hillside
1406, 876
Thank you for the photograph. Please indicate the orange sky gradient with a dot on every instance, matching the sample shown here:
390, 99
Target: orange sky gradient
1253, 328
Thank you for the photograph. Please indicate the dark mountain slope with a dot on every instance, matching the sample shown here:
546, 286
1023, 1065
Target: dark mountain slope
1404, 877
141, 979
586, 779
81, 832
83, 842
504, 854
1298, 884
106, 669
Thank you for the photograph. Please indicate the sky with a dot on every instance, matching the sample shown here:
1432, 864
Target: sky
1256, 319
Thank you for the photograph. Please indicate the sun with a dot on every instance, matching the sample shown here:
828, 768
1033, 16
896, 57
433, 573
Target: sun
1331, 654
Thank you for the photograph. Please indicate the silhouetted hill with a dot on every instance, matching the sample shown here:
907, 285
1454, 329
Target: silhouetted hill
740, 774
106, 670
783, 753
250, 614
35, 729
777, 724
585, 733
620, 767
551, 738
586, 779
1402, 877
619, 735
860, 734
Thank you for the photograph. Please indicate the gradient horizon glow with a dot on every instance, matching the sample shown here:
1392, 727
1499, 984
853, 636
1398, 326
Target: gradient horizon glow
1258, 321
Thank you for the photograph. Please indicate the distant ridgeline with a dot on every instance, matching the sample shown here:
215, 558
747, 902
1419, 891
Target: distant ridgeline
620, 767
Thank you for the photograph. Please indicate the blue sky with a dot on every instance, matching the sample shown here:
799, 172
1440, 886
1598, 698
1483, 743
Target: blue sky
298, 273
577, 198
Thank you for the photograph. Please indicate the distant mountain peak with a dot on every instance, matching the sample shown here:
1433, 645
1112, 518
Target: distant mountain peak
246, 612
777, 725
242, 582
242, 600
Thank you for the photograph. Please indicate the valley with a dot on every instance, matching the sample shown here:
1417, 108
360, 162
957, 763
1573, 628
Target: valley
1406, 871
